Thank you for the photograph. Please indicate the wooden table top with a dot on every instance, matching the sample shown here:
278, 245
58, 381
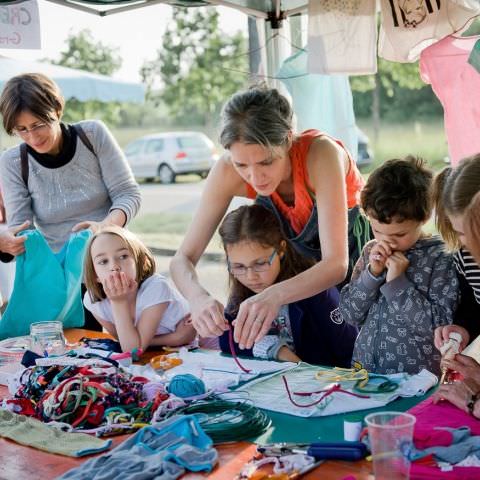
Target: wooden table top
18, 462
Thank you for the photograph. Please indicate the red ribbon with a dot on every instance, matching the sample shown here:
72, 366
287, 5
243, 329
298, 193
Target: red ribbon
334, 388
234, 353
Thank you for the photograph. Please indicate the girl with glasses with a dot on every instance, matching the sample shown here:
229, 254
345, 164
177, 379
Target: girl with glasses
259, 257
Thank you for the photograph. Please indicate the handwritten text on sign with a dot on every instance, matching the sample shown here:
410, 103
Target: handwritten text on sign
20, 25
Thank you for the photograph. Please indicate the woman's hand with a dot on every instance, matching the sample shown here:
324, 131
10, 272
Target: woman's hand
117, 286
115, 217
457, 393
255, 317
93, 226
207, 316
10, 243
464, 365
442, 335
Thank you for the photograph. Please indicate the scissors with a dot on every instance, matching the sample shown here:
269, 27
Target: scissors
318, 450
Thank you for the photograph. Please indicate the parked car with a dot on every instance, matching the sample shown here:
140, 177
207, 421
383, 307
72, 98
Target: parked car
364, 154
166, 155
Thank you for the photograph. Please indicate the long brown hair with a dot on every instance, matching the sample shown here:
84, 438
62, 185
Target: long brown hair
144, 260
455, 193
257, 224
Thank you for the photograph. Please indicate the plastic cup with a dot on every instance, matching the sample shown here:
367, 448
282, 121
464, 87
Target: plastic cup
47, 338
390, 435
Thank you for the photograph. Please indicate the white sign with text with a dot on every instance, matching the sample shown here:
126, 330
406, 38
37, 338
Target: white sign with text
20, 25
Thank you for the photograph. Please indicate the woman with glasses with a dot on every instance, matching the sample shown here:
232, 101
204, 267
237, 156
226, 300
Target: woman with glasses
68, 186
308, 180
62, 178
258, 257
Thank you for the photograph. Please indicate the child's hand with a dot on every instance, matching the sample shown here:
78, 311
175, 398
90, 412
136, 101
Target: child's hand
442, 335
378, 257
185, 330
397, 263
117, 286
286, 355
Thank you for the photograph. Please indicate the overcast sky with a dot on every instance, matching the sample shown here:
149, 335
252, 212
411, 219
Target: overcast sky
137, 33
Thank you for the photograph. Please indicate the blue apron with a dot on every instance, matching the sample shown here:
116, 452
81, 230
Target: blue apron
307, 242
47, 285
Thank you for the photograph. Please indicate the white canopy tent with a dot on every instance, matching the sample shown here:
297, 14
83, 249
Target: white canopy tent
74, 83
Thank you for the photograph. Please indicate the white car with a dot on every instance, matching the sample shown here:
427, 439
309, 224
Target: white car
166, 155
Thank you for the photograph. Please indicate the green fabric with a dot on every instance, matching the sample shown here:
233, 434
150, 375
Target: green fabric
33, 433
288, 428
474, 58
47, 285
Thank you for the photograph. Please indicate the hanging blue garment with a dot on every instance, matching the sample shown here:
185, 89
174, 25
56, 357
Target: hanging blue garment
47, 285
322, 102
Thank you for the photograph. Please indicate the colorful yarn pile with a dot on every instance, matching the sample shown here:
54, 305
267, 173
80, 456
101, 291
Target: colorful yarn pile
86, 397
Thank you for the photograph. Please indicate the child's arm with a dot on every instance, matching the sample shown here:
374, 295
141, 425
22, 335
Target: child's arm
119, 290
360, 294
430, 304
108, 326
184, 334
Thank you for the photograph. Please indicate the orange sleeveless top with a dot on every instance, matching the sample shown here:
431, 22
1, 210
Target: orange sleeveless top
304, 194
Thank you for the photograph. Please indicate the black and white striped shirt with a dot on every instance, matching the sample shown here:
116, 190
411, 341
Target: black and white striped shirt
469, 268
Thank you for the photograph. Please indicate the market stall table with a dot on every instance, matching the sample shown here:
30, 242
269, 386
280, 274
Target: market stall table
19, 462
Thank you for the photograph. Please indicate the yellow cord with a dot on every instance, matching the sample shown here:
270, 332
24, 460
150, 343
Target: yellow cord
338, 374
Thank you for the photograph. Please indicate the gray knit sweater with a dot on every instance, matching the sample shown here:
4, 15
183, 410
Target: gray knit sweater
398, 318
88, 187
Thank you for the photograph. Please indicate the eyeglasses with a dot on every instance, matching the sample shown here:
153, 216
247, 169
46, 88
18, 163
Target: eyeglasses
257, 267
25, 132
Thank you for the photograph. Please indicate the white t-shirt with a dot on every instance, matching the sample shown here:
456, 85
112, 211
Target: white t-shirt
410, 26
154, 290
342, 37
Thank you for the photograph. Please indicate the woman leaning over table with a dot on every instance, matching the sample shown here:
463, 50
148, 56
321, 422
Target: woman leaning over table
309, 180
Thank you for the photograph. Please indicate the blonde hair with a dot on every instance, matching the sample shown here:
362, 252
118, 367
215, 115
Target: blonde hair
472, 226
455, 192
142, 256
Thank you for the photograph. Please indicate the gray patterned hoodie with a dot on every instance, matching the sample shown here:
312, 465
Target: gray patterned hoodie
398, 318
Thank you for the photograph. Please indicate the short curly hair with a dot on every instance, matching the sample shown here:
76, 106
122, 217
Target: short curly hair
399, 190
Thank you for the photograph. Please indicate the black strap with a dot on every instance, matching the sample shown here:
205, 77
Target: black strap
83, 137
24, 153
24, 163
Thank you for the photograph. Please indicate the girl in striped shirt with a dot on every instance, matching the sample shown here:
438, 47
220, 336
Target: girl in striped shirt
457, 199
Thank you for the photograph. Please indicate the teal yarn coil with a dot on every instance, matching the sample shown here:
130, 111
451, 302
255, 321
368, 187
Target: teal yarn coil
186, 385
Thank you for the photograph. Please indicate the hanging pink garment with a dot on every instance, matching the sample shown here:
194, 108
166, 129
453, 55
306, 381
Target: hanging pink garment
443, 414
456, 83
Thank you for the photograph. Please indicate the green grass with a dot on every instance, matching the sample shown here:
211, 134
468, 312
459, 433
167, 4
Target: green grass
166, 230
424, 139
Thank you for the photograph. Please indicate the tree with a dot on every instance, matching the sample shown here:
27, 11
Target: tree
395, 92
199, 66
84, 53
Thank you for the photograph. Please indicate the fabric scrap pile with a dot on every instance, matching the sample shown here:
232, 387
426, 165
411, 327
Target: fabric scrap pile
164, 450
101, 400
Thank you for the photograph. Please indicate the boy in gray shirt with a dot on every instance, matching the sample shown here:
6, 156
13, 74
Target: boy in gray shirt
404, 284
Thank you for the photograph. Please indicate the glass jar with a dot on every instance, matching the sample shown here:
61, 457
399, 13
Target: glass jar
47, 338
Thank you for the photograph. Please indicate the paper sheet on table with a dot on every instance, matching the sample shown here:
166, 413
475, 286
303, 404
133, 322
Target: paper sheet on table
473, 350
219, 371
269, 392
